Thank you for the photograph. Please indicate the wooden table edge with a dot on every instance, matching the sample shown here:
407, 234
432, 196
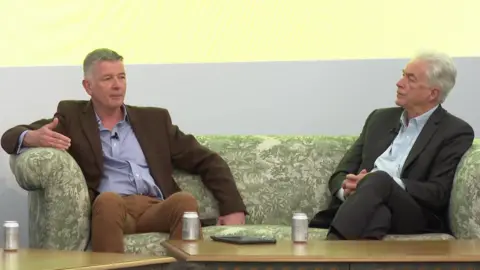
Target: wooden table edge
133, 263
175, 252
300, 259
179, 254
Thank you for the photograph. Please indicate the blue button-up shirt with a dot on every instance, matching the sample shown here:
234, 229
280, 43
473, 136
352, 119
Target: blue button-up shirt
393, 159
125, 168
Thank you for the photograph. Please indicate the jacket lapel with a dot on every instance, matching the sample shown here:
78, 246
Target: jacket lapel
391, 128
424, 136
142, 132
90, 129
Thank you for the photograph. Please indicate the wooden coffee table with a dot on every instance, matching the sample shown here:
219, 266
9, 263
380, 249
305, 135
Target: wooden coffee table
41, 259
356, 255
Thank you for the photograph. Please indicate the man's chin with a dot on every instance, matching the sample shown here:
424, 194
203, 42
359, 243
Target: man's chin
399, 102
116, 102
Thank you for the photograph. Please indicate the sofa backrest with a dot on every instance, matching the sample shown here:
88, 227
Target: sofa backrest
464, 211
276, 175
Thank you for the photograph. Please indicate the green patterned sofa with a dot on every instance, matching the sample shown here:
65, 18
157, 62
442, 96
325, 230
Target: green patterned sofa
276, 175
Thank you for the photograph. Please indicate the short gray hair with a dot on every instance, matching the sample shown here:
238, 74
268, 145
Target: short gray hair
441, 71
102, 54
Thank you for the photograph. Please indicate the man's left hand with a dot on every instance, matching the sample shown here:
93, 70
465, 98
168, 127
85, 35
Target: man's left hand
357, 177
351, 181
232, 219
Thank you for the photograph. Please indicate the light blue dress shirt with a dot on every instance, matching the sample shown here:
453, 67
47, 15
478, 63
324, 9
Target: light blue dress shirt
393, 159
125, 170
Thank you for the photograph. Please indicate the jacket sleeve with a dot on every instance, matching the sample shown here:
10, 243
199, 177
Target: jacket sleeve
10, 138
350, 163
189, 155
434, 193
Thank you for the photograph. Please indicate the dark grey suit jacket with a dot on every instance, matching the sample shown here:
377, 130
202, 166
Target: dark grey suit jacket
428, 171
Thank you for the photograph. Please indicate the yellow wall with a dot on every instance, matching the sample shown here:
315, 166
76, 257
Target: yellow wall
60, 32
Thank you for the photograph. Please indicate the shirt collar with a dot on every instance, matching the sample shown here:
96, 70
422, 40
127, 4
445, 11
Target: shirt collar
125, 115
420, 120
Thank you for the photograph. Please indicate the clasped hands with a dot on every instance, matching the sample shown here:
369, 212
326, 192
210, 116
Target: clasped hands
351, 181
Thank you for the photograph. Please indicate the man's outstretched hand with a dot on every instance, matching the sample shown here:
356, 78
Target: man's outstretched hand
46, 137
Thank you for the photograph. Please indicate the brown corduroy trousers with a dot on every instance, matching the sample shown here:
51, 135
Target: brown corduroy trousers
113, 216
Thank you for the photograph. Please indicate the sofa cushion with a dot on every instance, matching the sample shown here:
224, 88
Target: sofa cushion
149, 243
282, 232
145, 243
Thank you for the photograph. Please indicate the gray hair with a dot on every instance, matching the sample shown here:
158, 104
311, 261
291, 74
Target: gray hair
97, 55
441, 72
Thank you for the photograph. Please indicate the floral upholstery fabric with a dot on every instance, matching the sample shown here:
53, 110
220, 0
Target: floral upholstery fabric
276, 175
59, 207
464, 209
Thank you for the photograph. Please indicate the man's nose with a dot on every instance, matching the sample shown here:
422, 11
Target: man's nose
400, 83
116, 84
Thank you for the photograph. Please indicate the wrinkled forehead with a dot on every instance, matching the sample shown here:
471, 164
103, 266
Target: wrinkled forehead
103, 68
416, 69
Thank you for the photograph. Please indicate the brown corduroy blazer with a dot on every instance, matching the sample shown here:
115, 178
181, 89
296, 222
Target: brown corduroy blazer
165, 147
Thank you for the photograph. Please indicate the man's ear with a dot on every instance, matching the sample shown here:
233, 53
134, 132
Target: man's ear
87, 86
435, 94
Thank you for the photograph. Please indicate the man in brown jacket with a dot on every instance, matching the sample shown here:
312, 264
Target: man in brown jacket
127, 155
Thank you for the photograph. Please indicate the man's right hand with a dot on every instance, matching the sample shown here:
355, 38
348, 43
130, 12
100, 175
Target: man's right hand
46, 137
350, 183
348, 188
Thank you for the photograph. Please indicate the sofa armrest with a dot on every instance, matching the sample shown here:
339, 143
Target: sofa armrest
58, 200
464, 210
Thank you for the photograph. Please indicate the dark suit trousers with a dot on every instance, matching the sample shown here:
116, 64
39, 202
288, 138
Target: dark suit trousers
379, 206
